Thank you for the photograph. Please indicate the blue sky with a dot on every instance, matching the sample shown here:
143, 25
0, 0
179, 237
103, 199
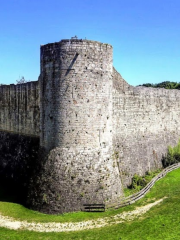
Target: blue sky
145, 35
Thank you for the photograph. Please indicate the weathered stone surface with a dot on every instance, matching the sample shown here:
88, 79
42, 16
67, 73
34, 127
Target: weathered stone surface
96, 131
145, 123
76, 113
19, 108
68, 178
76, 94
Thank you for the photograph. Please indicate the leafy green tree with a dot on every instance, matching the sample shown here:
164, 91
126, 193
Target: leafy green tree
165, 84
21, 80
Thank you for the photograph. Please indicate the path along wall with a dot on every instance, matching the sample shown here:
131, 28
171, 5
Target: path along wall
146, 122
19, 135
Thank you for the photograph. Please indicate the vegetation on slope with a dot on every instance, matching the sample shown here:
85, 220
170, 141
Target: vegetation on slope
172, 156
161, 222
139, 182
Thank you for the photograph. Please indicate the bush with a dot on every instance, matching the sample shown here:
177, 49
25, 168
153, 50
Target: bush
173, 156
138, 182
21, 80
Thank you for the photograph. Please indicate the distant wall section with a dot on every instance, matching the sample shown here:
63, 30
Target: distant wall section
19, 137
146, 122
19, 108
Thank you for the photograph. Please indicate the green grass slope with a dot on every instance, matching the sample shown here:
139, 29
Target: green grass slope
160, 222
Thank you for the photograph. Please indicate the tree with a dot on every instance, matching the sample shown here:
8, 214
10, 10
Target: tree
166, 84
21, 80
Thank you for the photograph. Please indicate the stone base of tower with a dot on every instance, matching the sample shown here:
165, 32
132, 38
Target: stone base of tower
68, 178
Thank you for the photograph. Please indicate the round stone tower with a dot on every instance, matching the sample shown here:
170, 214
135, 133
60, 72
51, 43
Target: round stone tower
76, 127
76, 99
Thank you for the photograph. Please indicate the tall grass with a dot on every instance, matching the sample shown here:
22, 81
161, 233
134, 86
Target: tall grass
174, 150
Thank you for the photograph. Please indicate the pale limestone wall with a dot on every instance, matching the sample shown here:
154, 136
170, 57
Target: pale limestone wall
76, 94
19, 108
70, 178
146, 122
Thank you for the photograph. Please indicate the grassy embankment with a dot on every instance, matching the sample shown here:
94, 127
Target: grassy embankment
160, 222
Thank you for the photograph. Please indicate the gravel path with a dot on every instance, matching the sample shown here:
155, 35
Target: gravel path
11, 223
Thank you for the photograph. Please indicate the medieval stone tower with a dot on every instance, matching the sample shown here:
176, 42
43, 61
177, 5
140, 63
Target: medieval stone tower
76, 125
76, 95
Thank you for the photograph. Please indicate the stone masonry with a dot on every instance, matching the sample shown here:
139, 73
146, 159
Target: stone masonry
96, 131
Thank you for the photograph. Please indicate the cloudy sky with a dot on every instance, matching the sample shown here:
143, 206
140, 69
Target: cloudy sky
145, 35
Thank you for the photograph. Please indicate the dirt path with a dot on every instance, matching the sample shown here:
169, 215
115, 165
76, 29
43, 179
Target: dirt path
11, 223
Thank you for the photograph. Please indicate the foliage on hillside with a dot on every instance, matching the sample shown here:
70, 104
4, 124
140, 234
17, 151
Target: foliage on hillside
173, 155
159, 223
139, 182
166, 85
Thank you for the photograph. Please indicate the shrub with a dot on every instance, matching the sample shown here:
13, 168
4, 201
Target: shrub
172, 156
138, 182
21, 80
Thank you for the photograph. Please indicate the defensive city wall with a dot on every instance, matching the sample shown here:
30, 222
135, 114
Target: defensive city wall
80, 133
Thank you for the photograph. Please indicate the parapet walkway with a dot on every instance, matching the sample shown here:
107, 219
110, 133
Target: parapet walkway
136, 196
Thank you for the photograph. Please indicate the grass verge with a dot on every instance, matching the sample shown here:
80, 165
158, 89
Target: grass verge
161, 222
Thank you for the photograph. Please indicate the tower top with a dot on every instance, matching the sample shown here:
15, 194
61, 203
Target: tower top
75, 40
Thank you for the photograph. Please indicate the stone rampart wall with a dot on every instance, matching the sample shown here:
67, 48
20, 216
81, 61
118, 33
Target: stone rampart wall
146, 122
19, 108
19, 137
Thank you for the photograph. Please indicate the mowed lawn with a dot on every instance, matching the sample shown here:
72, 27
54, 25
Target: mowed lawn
160, 222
